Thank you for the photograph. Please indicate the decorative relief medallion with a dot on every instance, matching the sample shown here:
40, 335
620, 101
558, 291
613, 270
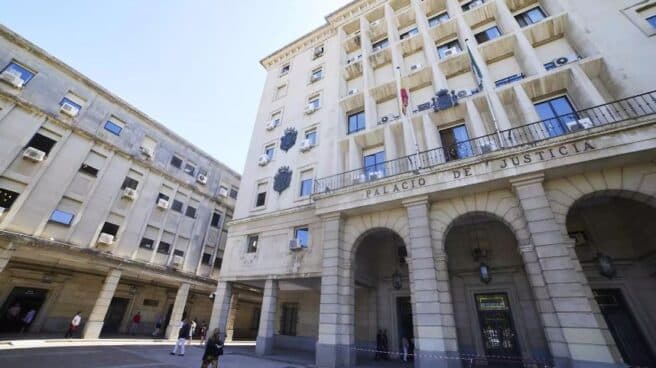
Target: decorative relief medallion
288, 139
282, 179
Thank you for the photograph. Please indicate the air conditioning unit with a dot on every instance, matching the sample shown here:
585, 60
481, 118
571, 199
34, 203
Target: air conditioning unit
375, 175
223, 192
353, 91
415, 67
465, 93
318, 51
201, 179
563, 60
162, 203
376, 49
315, 78
424, 106
130, 194
69, 109
306, 145
586, 123
294, 244
310, 108
488, 147
147, 151
573, 125
263, 160
451, 51
177, 261
34, 154
272, 124
107, 239
12, 77
359, 178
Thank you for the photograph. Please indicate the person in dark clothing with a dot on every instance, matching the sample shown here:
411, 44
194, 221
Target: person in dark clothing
213, 349
182, 338
379, 345
385, 344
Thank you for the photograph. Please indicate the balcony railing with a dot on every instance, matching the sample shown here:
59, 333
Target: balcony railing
613, 112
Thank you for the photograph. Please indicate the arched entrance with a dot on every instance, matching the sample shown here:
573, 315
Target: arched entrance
495, 313
382, 295
616, 246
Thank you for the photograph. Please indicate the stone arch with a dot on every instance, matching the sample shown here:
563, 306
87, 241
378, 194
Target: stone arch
357, 228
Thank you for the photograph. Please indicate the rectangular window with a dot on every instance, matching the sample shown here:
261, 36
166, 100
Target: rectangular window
488, 34
530, 16
233, 193
409, 33
178, 252
374, 164
302, 235
555, 114
261, 195
42, 143
268, 150
306, 187
109, 228
176, 162
356, 122
440, 18
113, 127
70, 102
448, 49
311, 135
317, 74
164, 248
190, 169
376, 46
217, 262
128, 182
251, 245
288, 319
281, 91
89, 170
509, 79
314, 101
207, 259
7, 199
62, 217
284, 69
177, 206
190, 212
19, 70
216, 219
472, 4
162, 196
652, 20
146, 243
455, 142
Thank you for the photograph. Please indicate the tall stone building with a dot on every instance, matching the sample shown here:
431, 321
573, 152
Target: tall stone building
102, 209
477, 177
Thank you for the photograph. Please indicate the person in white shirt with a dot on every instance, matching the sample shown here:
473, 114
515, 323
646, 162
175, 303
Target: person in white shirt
27, 320
75, 322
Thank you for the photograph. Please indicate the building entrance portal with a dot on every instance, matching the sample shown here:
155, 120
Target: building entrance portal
404, 323
497, 330
115, 314
16, 307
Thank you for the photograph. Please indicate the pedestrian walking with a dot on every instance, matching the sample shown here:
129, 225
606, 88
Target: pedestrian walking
13, 317
379, 345
213, 349
72, 327
158, 327
27, 320
405, 344
192, 330
183, 334
136, 319
203, 332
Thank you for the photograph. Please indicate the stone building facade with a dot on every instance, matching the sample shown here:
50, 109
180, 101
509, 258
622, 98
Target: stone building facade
102, 209
477, 177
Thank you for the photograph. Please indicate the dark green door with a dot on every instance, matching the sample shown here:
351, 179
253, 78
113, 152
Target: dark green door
498, 330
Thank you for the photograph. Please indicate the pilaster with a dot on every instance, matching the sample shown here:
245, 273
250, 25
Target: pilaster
94, 324
221, 307
178, 311
264, 344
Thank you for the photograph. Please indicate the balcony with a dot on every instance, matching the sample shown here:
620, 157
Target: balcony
605, 115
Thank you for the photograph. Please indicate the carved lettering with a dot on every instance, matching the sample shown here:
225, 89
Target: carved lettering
456, 174
563, 150
468, 171
527, 158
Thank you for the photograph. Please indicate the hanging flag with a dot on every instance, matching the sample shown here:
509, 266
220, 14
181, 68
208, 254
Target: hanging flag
475, 69
404, 99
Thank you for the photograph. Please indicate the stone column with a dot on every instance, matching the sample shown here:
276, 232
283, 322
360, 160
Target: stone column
575, 336
336, 323
6, 251
433, 340
221, 307
94, 324
178, 310
264, 343
232, 317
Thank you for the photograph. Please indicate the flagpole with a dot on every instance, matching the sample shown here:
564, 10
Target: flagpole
479, 78
402, 111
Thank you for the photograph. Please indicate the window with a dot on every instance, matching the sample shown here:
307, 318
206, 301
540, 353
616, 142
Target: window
306, 187
128, 182
268, 150
276, 117
530, 16
379, 45
178, 252
261, 195
509, 79
652, 20
314, 101
317, 74
17, 69
89, 170
109, 228
113, 128
190, 169
217, 262
288, 319
62, 217
233, 193
448, 49
216, 220
284, 69
42, 143
455, 142
281, 91
176, 162
555, 114
164, 248
70, 102
162, 196
7, 199
150, 303
374, 164
488, 34
318, 51
311, 135
302, 235
190, 212
472, 4
356, 122
177, 206
409, 33
146, 243
207, 259
251, 244
440, 18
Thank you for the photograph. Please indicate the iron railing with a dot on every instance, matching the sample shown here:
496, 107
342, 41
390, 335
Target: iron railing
613, 112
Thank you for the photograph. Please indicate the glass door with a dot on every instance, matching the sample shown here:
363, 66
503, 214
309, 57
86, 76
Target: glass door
555, 114
498, 331
455, 142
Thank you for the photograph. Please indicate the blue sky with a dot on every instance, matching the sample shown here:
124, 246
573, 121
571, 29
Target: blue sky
166, 57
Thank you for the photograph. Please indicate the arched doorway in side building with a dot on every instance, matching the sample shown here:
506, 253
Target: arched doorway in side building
496, 316
383, 312
615, 237
20, 302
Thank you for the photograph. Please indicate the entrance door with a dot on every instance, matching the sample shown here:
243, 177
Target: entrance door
629, 339
497, 330
404, 321
19, 302
115, 314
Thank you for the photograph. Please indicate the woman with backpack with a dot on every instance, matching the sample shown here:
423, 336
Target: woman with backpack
213, 349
